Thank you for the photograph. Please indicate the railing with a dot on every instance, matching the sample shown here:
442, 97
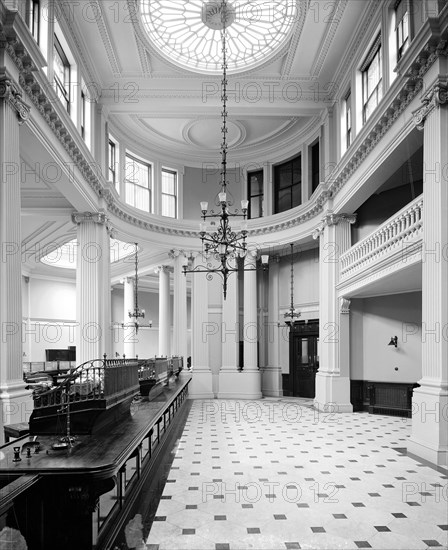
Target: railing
93, 380
158, 368
396, 232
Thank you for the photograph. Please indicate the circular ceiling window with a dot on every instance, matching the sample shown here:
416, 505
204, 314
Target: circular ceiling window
188, 32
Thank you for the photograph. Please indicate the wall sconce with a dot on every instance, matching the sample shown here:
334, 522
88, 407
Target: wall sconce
393, 341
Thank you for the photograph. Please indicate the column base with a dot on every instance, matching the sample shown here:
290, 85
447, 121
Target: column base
16, 405
201, 385
239, 385
271, 382
429, 437
332, 393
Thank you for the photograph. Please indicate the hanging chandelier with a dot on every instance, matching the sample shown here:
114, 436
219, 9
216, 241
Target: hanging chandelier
222, 246
137, 313
292, 313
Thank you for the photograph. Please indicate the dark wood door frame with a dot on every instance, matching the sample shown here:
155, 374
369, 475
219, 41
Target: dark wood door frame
303, 371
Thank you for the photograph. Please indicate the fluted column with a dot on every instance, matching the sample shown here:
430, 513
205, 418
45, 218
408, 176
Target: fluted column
272, 374
15, 401
429, 438
164, 311
251, 381
93, 286
180, 344
129, 332
333, 377
229, 376
201, 384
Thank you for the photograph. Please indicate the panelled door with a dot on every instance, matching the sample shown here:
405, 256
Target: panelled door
304, 358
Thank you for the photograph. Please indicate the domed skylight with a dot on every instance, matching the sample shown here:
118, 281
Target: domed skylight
188, 33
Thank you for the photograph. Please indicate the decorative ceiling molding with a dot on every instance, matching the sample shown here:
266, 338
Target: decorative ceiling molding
105, 34
144, 57
44, 99
295, 39
324, 47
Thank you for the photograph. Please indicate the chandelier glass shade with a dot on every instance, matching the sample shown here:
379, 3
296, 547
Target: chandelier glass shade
137, 313
223, 245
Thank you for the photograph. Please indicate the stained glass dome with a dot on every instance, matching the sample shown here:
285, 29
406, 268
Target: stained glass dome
188, 32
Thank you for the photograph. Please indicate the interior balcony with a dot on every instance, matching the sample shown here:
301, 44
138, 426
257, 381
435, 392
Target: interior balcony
380, 260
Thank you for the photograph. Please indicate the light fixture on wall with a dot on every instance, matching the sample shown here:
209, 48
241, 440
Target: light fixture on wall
222, 244
137, 313
292, 313
393, 341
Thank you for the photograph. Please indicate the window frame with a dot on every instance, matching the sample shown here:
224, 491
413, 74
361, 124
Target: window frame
63, 88
83, 114
348, 119
401, 25
113, 170
251, 196
175, 195
314, 166
128, 183
375, 52
291, 187
33, 18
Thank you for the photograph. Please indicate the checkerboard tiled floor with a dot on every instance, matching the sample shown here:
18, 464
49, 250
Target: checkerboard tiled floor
276, 474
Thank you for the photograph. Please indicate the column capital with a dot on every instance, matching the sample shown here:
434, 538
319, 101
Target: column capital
344, 305
333, 219
176, 252
11, 92
436, 96
99, 217
162, 269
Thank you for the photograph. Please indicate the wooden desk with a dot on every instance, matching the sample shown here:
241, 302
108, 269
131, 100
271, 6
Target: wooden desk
16, 430
71, 481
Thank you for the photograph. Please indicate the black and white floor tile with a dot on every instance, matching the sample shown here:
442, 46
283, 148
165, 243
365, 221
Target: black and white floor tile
277, 474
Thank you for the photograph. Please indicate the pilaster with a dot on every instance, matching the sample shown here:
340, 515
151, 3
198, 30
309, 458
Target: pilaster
201, 384
164, 311
333, 377
93, 300
16, 402
429, 438
271, 381
250, 387
229, 375
180, 341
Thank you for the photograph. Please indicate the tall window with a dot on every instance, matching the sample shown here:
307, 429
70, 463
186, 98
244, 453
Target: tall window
33, 18
288, 185
169, 193
61, 68
138, 183
372, 79
255, 194
348, 119
112, 162
315, 166
401, 27
83, 114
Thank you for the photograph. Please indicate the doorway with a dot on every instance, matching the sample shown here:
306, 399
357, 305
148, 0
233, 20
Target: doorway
304, 357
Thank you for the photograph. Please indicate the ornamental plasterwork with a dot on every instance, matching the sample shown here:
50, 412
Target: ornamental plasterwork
99, 218
43, 100
9, 91
333, 219
344, 305
436, 96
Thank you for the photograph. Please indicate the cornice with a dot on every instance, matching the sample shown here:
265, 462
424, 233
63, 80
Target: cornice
45, 101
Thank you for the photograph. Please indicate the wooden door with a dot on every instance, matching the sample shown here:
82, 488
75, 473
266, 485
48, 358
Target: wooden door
304, 360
